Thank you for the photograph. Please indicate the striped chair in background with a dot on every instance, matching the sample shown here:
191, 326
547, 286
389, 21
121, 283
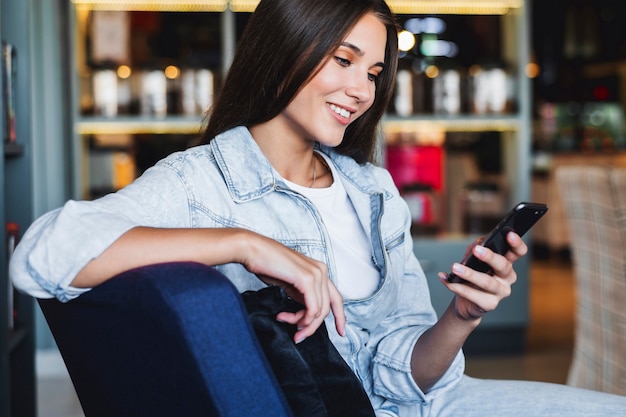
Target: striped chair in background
594, 199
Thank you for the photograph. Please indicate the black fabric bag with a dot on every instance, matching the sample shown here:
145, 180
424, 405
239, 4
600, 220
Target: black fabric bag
315, 379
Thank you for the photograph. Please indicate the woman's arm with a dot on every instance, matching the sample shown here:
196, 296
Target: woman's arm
305, 279
435, 350
144, 246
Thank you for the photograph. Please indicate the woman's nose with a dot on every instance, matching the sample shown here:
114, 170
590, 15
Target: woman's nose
361, 88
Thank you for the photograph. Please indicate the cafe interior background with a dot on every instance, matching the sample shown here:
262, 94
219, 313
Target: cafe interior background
488, 104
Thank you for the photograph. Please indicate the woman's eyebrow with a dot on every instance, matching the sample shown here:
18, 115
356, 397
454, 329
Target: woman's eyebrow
360, 52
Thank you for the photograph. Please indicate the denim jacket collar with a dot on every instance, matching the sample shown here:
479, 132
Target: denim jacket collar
247, 172
253, 176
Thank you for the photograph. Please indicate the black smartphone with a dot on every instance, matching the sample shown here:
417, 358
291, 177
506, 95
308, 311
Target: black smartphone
520, 219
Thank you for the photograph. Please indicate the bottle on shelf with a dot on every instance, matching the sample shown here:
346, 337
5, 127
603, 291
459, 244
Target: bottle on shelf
8, 86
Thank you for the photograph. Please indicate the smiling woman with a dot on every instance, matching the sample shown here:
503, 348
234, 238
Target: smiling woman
341, 90
302, 36
282, 192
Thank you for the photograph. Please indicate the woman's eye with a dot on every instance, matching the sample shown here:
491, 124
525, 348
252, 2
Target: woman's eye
372, 77
343, 61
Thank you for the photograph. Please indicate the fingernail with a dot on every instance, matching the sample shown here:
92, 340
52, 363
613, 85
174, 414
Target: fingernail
480, 251
458, 268
300, 340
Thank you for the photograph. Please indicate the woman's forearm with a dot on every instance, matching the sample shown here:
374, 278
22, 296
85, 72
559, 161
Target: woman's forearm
142, 246
436, 349
304, 278
434, 352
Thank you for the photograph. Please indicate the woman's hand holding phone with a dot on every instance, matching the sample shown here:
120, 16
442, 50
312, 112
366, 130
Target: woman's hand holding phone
485, 275
519, 220
482, 292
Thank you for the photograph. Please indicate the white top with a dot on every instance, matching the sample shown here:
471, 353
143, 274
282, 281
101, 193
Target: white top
357, 277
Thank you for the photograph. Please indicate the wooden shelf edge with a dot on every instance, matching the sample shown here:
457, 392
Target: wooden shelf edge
193, 125
138, 125
465, 123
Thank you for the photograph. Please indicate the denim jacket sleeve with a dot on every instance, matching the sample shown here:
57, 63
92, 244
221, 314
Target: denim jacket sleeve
60, 243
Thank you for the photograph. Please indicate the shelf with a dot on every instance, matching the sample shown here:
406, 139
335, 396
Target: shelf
138, 125
484, 7
13, 150
153, 5
193, 125
468, 123
495, 7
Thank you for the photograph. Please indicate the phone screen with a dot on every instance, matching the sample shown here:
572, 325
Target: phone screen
520, 219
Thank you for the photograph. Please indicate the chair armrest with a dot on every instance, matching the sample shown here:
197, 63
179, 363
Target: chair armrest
163, 340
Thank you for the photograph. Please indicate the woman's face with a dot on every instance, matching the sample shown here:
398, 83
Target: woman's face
343, 89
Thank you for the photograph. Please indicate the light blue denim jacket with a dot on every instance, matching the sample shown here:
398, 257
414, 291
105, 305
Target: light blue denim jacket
230, 183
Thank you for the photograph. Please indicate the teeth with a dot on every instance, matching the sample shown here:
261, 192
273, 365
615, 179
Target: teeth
340, 111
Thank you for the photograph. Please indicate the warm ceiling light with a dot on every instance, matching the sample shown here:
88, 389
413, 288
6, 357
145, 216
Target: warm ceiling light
431, 71
154, 5
532, 70
479, 7
172, 72
243, 5
124, 72
422, 6
406, 41
397, 6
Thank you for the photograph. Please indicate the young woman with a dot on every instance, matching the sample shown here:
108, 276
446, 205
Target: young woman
283, 192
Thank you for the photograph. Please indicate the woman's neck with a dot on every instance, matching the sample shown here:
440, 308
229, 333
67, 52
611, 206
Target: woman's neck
289, 154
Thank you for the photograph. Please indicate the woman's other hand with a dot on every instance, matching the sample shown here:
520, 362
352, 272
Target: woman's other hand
305, 280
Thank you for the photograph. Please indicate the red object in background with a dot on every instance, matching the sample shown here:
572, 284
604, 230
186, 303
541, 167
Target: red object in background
417, 171
422, 203
601, 93
148, 22
415, 164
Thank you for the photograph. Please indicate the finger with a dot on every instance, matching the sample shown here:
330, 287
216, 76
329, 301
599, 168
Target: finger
306, 331
312, 315
319, 282
310, 322
336, 305
494, 285
483, 301
291, 318
473, 298
470, 277
518, 247
470, 248
501, 266
303, 331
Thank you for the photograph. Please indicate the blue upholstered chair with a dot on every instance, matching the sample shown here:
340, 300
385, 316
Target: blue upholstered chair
164, 340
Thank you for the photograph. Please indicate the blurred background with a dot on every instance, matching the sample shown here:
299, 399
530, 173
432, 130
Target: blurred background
492, 97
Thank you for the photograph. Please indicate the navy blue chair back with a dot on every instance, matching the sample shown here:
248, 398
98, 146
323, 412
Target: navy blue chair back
164, 340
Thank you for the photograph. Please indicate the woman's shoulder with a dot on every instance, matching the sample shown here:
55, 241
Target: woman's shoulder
204, 152
182, 159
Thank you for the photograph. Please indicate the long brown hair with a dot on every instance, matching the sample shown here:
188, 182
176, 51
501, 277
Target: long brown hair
282, 46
